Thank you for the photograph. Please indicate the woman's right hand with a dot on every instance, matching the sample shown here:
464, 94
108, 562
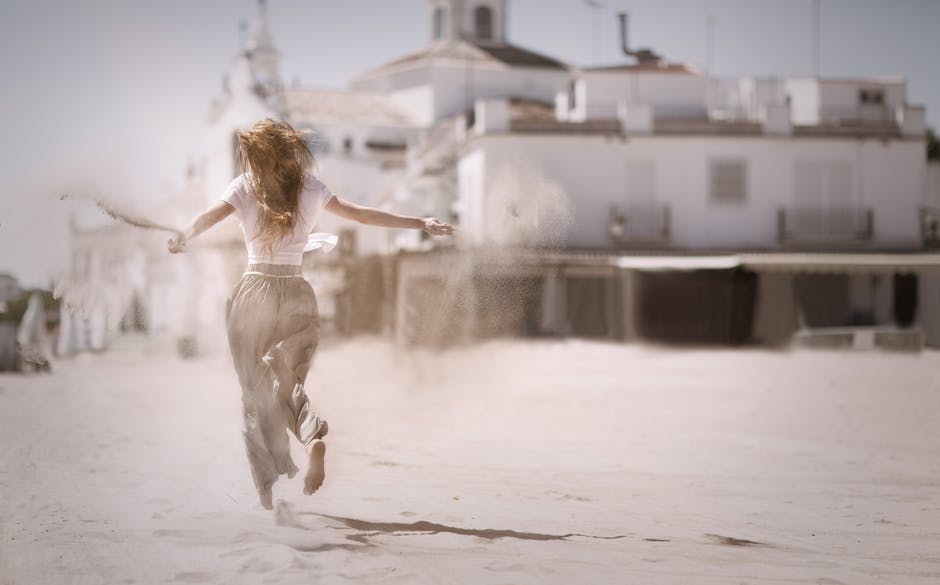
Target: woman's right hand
176, 244
435, 227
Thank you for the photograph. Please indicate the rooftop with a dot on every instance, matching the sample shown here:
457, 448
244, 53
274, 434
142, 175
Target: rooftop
651, 67
502, 54
346, 107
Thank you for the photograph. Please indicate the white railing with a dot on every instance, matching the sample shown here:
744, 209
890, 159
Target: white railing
825, 225
859, 115
636, 224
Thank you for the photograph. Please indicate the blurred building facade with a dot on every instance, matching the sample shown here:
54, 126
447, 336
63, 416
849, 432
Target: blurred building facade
9, 290
640, 200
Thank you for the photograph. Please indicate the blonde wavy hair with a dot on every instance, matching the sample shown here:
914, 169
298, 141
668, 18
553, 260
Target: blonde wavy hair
277, 157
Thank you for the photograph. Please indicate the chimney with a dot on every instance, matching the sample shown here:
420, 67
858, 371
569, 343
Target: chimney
642, 56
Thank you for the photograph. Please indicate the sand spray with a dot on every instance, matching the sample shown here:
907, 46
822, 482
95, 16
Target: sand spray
523, 209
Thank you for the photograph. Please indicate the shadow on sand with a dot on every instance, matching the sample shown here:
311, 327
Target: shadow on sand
423, 527
285, 516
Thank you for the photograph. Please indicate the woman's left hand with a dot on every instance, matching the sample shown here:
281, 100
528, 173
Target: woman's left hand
435, 227
176, 244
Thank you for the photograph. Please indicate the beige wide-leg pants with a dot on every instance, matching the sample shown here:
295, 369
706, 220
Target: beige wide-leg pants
272, 317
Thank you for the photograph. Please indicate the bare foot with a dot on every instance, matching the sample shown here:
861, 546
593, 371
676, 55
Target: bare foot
265, 498
316, 472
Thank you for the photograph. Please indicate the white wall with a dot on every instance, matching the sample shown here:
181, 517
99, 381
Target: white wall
744, 98
672, 95
333, 135
839, 98
933, 184
241, 113
471, 195
813, 101
804, 101
364, 182
447, 90
887, 176
456, 89
418, 102
727, 99
403, 78
893, 176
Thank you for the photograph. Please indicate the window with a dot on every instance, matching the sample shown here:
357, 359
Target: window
572, 95
871, 96
483, 20
728, 182
438, 23
823, 184
824, 200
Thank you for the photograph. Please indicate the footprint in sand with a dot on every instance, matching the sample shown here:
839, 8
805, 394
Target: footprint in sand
381, 463
571, 497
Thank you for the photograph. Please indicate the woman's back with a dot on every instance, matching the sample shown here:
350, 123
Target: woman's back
271, 318
288, 250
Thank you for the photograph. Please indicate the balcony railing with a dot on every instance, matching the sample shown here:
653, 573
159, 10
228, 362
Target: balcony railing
639, 224
825, 225
930, 226
861, 114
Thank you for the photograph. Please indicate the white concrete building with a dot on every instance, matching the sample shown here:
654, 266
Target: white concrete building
382, 141
528, 153
686, 173
564, 180
647, 158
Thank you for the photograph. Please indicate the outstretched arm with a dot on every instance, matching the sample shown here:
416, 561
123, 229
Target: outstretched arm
373, 216
205, 220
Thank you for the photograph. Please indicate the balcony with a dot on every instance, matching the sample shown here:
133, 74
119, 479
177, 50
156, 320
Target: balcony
862, 114
930, 226
639, 225
862, 120
831, 226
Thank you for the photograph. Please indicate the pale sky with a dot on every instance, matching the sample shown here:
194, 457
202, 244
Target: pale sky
119, 89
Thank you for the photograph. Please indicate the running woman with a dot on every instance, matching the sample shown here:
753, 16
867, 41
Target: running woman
271, 316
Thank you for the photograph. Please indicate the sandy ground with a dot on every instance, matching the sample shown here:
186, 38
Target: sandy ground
509, 462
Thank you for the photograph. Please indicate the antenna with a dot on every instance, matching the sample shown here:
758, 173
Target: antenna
816, 36
709, 60
596, 8
710, 44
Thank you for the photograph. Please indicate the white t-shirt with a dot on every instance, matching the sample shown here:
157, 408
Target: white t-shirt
289, 250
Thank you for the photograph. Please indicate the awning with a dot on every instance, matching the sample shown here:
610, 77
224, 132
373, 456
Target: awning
654, 263
804, 262
882, 263
781, 262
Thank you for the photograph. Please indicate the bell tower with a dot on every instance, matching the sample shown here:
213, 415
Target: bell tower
263, 58
475, 21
